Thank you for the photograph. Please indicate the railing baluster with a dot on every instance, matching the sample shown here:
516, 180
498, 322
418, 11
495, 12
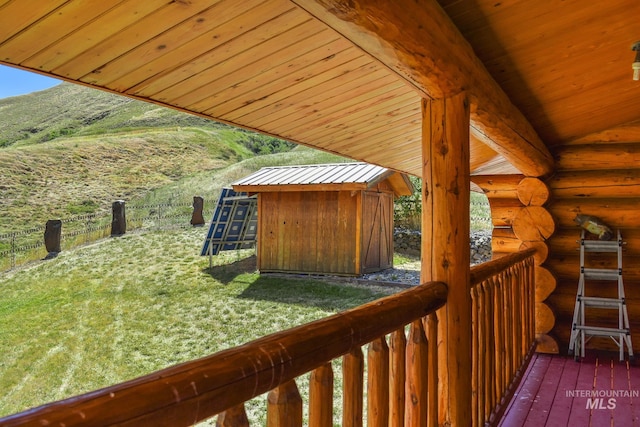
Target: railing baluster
515, 331
353, 373
502, 295
489, 399
378, 383
321, 397
532, 306
284, 406
233, 417
499, 348
476, 358
432, 369
416, 392
485, 328
397, 344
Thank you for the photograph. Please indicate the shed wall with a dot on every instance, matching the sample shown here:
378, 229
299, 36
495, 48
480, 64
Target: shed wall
377, 233
309, 232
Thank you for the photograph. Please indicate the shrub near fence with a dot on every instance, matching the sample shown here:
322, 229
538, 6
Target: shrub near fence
408, 213
21, 247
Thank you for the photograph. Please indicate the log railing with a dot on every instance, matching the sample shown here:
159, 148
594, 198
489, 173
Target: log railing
401, 375
503, 338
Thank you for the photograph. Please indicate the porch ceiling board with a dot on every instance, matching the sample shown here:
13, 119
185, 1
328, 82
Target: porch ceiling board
566, 65
265, 65
270, 66
418, 41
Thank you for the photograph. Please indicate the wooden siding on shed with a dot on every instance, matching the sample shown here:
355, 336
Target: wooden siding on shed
309, 232
377, 233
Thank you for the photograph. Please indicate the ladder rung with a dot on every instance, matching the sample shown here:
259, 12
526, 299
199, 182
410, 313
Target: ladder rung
600, 331
602, 302
601, 245
601, 273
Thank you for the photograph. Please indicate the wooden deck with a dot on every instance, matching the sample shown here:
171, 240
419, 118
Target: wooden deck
558, 391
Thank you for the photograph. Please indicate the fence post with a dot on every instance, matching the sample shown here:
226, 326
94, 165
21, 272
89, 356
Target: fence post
13, 250
119, 221
52, 236
196, 217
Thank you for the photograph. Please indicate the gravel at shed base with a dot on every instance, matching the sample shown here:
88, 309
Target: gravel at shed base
405, 274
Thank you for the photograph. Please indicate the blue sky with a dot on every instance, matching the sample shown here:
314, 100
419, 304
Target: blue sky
17, 82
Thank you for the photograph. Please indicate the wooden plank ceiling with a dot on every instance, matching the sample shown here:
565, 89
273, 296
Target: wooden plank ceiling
268, 65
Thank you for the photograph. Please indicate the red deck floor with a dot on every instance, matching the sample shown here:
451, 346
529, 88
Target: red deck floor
557, 391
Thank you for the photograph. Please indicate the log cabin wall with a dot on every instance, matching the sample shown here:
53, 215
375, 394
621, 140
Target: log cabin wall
521, 220
597, 175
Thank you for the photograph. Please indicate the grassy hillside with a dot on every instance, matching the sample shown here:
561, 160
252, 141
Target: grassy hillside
76, 175
73, 110
72, 150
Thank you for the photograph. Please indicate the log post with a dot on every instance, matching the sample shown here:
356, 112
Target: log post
378, 383
197, 219
416, 402
284, 406
119, 220
353, 388
233, 417
321, 397
52, 236
445, 246
397, 346
431, 329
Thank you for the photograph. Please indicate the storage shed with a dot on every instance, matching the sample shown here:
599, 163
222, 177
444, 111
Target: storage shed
328, 219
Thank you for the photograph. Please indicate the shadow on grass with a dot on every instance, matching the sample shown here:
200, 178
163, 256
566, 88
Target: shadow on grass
308, 292
227, 273
296, 290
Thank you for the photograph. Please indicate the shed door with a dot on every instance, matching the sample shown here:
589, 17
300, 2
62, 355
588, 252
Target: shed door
377, 231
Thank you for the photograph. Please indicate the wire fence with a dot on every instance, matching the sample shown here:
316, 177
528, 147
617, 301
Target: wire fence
20, 247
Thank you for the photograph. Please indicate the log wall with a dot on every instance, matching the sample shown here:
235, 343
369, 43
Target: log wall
601, 178
521, 220
597, 175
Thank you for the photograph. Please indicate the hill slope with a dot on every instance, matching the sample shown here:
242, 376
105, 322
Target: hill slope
73, 110
82, 175
70, 150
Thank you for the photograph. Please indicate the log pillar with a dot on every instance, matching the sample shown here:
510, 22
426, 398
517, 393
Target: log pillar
119, 220
52, 236
197, 218
445, 246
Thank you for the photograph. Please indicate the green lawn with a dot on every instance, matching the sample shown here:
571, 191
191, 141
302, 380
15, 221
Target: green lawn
127, 306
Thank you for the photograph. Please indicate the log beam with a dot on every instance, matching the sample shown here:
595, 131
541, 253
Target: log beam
445, 247
419, 42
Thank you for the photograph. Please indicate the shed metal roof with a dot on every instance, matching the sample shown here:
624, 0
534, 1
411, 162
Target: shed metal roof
324, 176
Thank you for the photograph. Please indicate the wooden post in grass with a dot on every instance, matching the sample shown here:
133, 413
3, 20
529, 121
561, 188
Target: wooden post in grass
119, 221
196, 217
52, 236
